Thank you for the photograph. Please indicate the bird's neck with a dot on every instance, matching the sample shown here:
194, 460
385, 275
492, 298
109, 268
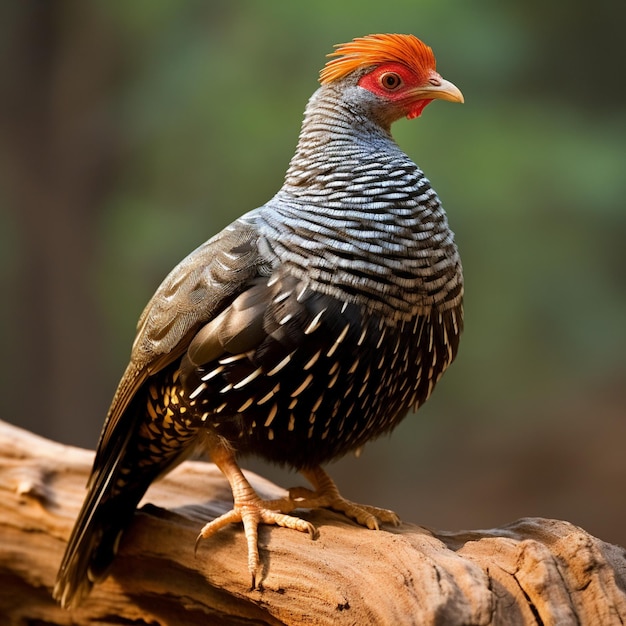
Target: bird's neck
335, 137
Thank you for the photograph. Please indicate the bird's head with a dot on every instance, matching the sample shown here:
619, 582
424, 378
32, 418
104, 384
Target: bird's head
397, 70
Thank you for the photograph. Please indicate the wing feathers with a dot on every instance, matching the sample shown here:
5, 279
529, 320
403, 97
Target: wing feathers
194, 293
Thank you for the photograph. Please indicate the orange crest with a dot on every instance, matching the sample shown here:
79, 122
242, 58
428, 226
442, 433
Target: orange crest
377, 49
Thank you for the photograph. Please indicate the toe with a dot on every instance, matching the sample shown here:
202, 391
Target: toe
288, 521
365, 515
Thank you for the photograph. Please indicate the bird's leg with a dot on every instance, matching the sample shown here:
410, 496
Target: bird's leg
326, 495
250, 509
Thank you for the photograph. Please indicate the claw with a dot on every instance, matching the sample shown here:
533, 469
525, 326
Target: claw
251, 510
252, 513
326, 495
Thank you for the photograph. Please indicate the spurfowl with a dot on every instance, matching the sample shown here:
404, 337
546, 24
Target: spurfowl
303, 330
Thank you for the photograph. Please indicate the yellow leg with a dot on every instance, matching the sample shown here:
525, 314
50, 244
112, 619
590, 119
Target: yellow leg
250, 509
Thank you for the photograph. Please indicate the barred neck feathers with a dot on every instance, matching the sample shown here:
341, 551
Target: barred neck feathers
357, 219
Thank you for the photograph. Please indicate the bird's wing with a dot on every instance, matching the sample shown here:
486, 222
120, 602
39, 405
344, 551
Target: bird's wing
196, 291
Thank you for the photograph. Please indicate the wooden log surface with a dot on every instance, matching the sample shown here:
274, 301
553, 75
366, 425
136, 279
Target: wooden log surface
533, 571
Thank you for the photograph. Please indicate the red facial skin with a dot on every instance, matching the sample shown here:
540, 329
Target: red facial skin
398, 84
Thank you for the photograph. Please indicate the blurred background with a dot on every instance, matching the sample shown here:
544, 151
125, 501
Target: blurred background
130, 132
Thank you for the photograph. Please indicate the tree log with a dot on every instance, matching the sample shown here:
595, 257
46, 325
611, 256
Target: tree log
533, 571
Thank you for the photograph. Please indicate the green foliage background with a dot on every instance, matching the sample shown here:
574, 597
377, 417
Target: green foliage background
197, 108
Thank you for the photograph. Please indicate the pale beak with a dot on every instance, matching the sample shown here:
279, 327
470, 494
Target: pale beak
437, 88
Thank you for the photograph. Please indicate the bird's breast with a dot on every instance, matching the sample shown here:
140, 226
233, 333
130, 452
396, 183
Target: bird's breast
379, 238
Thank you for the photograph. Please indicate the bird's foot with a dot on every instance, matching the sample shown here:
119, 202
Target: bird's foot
327, 496
363, 514
252, 511
249, 508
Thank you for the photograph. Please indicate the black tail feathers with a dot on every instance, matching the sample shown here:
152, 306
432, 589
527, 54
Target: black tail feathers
94, 542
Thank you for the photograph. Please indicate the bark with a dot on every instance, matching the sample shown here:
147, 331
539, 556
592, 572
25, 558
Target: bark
534, 571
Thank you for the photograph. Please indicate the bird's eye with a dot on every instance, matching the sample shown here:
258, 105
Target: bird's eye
390, 81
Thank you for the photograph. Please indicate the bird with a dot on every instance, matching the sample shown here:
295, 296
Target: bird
308, 327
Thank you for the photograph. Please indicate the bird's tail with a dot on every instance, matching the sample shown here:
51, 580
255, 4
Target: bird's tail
106, 512
135, 449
